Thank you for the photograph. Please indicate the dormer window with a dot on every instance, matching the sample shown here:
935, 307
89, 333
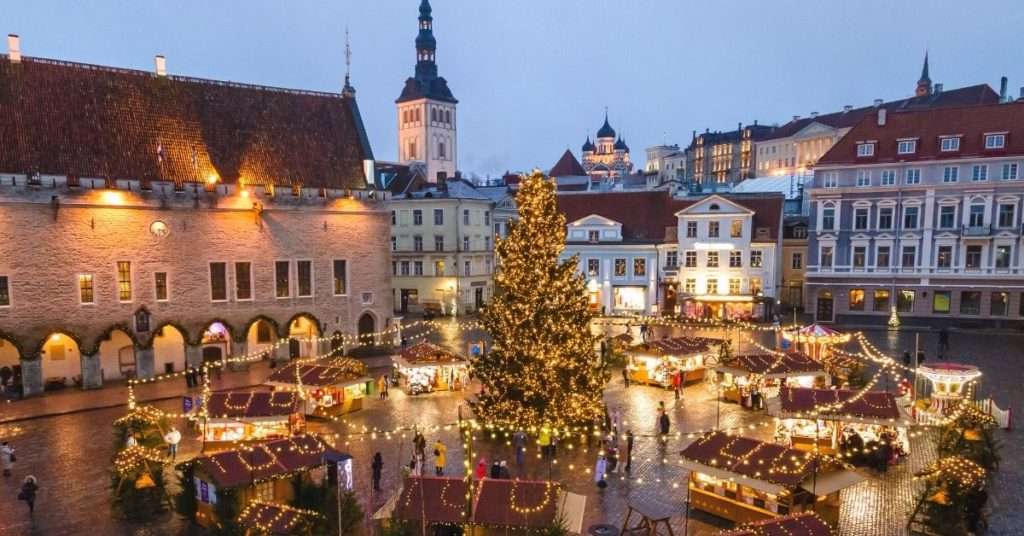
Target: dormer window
594, 236
949, 144
995, 141
865, 149
906, 147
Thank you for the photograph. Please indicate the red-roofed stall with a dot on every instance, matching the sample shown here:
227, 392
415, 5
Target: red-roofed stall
805, 524
236, 416
328, 388
749, 379
656, 362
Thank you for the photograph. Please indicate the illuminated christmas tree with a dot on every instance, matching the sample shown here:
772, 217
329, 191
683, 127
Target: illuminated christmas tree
542, 369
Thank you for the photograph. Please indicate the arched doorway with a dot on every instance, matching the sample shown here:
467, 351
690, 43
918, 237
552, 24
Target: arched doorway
168, 350
10, 368
825, 309
302, 332
367, 325
61, 361
216, 342
261, 336
117, 356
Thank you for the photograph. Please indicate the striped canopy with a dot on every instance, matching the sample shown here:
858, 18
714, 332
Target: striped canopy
816, 334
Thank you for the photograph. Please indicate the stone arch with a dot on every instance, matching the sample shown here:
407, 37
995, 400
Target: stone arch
10, 362
200, 334
261, 334
303, 330
366, 326
169, 344
60, 355
215, 340
116, 352
106, 334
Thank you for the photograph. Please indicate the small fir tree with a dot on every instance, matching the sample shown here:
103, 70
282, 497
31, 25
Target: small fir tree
542, 369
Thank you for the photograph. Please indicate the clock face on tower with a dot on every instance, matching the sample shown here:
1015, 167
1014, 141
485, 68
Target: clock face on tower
159, 229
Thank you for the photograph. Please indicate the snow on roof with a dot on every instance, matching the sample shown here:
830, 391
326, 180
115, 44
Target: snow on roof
787, 185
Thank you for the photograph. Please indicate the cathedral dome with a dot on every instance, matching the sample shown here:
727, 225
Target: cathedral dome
620, 145
606, 130
588, 145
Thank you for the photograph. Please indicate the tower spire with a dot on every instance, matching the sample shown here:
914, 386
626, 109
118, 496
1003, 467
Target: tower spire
924, 84
348, 90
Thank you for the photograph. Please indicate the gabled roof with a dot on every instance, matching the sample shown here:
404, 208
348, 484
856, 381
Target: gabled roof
81, 120
790, 364
751, 458
272, 518
252, 404
267, 460
871, 404
428, 353
971, 123
802, 524
711, 201
321, 374
432, 499
567, 166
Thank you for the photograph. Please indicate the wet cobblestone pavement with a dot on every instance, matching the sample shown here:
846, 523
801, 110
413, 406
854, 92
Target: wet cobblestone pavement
70, 454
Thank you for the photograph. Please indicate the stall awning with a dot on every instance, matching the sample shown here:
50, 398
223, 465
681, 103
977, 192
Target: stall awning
723, 474
676, 346
425, 354
790, 365
330, 373
776, 408
828, 482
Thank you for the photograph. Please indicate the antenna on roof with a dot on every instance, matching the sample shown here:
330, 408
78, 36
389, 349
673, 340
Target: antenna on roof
348, 89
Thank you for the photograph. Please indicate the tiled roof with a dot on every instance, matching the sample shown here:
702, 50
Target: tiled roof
429, 353
271, 518
496, 503
791, 363
88, 121
751, 458
677, 345
567, 166
241, 404
265, 461
971, 123
432, 499
321, 374
872, 404
802, 524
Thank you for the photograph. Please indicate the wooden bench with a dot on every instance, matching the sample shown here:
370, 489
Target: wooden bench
650, 519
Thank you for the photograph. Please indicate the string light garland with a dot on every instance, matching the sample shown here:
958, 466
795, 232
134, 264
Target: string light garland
282, 518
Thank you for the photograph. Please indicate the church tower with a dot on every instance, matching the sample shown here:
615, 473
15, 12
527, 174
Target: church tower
924, 84
426, 110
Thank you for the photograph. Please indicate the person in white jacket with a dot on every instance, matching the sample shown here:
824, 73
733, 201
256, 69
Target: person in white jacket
6, 458
172, 437
599, 471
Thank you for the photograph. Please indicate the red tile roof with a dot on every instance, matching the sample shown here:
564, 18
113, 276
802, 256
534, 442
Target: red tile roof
872, 404
265, 461
971, 123
567, 166
751, 458
516, 503
82, 120
242, 404
802, 524
791, 363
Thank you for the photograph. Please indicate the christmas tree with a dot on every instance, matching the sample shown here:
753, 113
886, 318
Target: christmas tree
542, 369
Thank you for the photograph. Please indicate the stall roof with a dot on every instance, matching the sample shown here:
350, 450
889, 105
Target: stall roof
728, 456
827, 482
267, 460
677, 346
802, 524
773, 366
432, 499
321, 374
500, 502
272, 518
878, 405
242, 404
425, 354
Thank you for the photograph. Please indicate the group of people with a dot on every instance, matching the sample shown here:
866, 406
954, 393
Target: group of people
499, 469
878, 453
383, 384
29, 486
416, 465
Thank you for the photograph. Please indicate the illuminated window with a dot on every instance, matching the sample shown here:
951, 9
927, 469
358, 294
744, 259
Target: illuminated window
690, 286
639, 267
282, 283
755, 286
160, 284
856, 299
712, 286
264, 332
1003, 255
304, 273
593, 267
756, 258
944, 258
734, 286
905, 301
218, 281
712, 259
438, 268
85, 288
341, 277
265, 491
881, 300
124, 281
736, 229
620, 267
735, 259
690, 259
243, 281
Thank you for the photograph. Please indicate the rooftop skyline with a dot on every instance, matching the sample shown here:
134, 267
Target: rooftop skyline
533, 81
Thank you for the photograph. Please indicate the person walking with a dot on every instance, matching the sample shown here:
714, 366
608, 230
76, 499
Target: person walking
629, 450
519, 443
545, 442
663, 424
381, 386
28, 493
7, 458
599, 471
481, 469
420, 445
503, 472
440, 455
616, 422
496, 470
906, 358
677, 382
172, 437
625, 376
377, 467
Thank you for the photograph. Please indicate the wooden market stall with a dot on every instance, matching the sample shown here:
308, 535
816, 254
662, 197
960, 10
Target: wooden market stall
655, 362
261, 518
425, 367
830, 414
802, 524
262, 471
745, 378
745, 480
329, 388
237, 416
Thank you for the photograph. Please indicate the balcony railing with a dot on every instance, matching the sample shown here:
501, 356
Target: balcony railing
976, 230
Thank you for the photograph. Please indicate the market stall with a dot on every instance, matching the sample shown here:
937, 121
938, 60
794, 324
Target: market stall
746, 480
802, 524
328, 388
425, 367
750, 379
234, 416
829, 418
260, 518
656, 362
950, 384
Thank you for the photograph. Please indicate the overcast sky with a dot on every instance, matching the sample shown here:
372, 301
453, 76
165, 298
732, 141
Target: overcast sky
533, 76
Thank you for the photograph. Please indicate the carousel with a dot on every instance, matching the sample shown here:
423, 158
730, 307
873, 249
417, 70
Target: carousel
656, 362
817, 342
750, 379
951, 383
328, 388
425, 367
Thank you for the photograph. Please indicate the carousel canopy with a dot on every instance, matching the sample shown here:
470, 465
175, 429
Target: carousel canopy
876, 405
335, 372
252, 404
271, 518
425, 354
266, 460
803, 524
816, 334
773, 366
949, 372
677, 346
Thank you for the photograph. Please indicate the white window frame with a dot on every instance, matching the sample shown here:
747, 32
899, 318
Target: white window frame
227, 280
950, 174
892, 218
863, 178
906, 146
78, 287
288, 263
979, 173
167, 283
312, 279
865, 149
830, 179
831, 256
867, 218
1000, 137
952, 146
915, 172
1008, 166
891, 174
252, 280
888, 246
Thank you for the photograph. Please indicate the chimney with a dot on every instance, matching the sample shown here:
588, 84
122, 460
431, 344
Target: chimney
847, 108
14, 48
814, 114
1002, 89
878, 102
796, 118
1021, 93
881, 117
937, 89
739, 126
161, 65
755, 122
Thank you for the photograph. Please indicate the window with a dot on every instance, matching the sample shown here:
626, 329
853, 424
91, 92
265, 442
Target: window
405, 268
417, 217
828, 218
995, 141
865, 149
1009, 172
440, 150
888, 177
124, 281
85, 289
690, 286
797, 261
826, 257
282, 283
487, 217
908, 257
735, 259
856, 299
690, 259
860, 218
671, 259
639, 267
417, 268
882, 255
970, 302
736, 229
417, 243
979, 172
487, 243
438, 242
756, 257
218, 281
593, 267
947, 216
341, 277
949, 144
910, 217
160, 284
394, 243
972, 259
713, 229
466, 269
1006, 214
944, 257
394, 268
243, 281
712, 259
620, 267
1003, 255
976, 217
593, 236
885, 218
1000, 304
438, 216
940, 301
859, 257
304, 273
734, 286
755, 286
465, 243
881, 302
394, 218
465, 216
712, 286
487, 266
906, 147
438, 268
950, 174
905, 301
831, 180
913, 176
863, 178
800, 231
691, 229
